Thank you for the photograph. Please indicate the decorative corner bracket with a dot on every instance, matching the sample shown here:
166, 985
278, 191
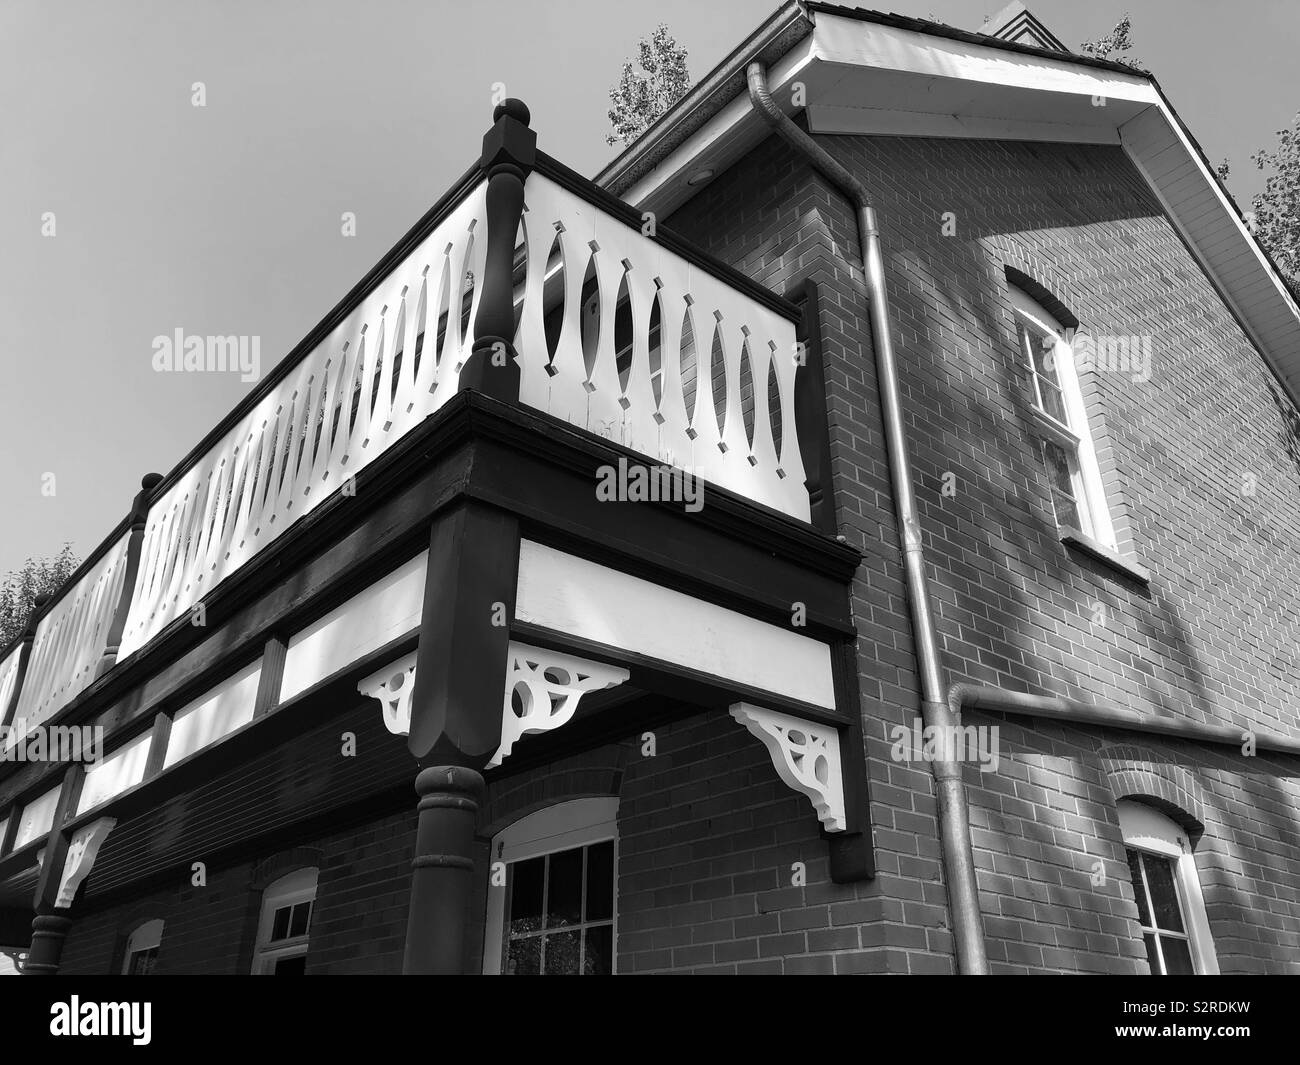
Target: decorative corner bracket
806, 757
82, 849
543, 689
393, 686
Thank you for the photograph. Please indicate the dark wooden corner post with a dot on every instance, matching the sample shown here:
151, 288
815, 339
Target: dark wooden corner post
460, 678
812, 409
50, 925
139, 517
509, 149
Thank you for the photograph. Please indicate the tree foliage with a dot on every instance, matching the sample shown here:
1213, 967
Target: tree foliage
1114, 46
20, 587
649, 88
1276, 210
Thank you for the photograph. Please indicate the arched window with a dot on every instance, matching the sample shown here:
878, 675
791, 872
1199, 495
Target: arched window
285, 925
1078, 496
552, 892
1171, 911
141, 954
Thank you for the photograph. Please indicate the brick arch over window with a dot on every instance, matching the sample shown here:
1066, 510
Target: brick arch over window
592, 773
269, 870
1146, 775
129, 920
1043, 295
1034, 276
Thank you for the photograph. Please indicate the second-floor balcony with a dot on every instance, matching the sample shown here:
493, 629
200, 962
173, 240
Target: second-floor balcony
618, 328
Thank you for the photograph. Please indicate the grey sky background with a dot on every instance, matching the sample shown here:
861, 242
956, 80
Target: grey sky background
225, 219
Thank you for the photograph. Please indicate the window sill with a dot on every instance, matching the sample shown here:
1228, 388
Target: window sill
1125, 565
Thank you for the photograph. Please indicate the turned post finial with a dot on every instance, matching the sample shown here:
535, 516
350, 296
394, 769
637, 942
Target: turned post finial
516, 109
509, 154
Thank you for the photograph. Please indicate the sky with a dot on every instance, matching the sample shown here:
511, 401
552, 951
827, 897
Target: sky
226, 219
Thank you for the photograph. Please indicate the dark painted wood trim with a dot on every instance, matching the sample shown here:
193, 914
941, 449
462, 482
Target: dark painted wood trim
56, 841
812, 411
509, 150
162, 732
283, 723
269, 680
463, 657
11, 830
852, 852
137, 519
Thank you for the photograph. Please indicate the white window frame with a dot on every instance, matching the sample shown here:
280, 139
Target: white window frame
147, 936
562, 827
1073, 435
1147, 829
289, 890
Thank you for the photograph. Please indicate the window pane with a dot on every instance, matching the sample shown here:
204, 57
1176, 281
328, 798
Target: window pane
1059, 475
301, 915
1058, 468
1164, 897
599, 957
1053, 401
564, 890
295, 966
1178, 959
280, 925
142, 962
561, 953
526, 895
1152, 957
525, 957
1043, 350
1139, 892
600, 881
1026, 344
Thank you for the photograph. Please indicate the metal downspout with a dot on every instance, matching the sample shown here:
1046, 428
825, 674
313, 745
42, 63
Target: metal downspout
954, 822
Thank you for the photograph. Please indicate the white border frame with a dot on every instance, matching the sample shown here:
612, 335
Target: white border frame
147, 936
1077, 434
1147, 829
290, 889
560, 827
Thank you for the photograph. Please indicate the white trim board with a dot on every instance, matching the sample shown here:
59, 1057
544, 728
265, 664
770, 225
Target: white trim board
572, 595
383, 612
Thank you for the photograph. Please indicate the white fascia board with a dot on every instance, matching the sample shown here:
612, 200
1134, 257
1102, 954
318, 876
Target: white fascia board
1259, 298
568, 594
732, 123
836, 39
891, 122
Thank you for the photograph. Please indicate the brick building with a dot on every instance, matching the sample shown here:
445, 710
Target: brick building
719, 740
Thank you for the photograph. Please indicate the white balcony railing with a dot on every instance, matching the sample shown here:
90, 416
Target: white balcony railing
70, 639
622, 336
383, 369
615, 332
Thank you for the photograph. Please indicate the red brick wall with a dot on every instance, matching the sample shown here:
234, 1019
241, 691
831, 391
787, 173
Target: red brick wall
358, 926
708, 840
1215, 637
